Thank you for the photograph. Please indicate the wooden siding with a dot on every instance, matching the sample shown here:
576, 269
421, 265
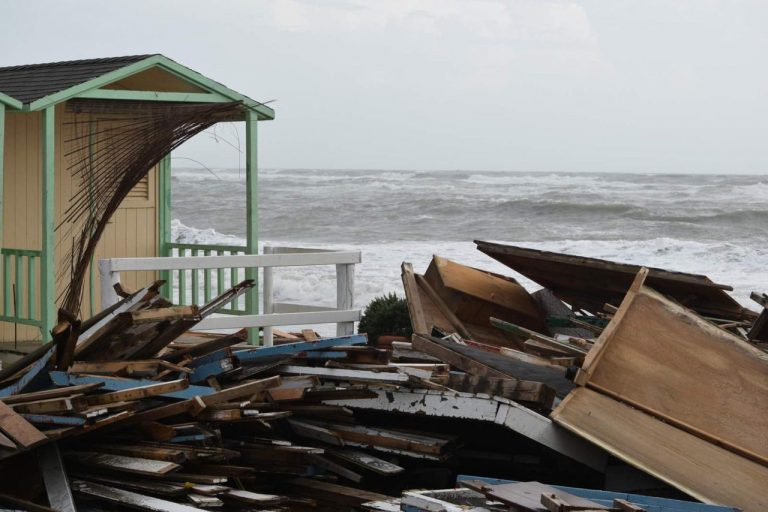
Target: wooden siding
154, 79
131, 232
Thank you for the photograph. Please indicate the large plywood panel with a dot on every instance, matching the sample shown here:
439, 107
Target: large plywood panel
705, 471
668, 361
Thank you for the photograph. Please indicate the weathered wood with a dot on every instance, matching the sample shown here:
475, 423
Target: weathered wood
529, 334
123, 463
591, 282
443, 307
475, 295
664, 359
415, 309
50, 393
486, 364
137, 393
701, 469
52, 405
19, 429
128, 498
55, 478
334, 493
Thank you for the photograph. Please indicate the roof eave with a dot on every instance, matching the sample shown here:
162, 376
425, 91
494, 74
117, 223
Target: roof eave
11, 103
264, 112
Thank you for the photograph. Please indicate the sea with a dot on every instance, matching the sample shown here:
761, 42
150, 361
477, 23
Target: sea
715, 225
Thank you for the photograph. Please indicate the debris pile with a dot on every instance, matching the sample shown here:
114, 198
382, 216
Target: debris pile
610, 377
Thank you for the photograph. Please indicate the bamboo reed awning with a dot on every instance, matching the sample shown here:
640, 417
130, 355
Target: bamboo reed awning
109, 147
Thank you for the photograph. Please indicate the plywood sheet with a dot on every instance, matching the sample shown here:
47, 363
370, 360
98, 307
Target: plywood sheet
705, 471
666, 360
590, 282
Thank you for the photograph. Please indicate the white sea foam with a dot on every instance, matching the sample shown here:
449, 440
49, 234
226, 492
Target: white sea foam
713, 225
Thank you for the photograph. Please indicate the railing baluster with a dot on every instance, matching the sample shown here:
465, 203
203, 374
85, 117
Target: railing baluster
182, 281
207, 280
31, 292
6, 284
195, 282
17, 288
232, 282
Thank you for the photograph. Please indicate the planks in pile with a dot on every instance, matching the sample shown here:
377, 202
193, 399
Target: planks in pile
131, 408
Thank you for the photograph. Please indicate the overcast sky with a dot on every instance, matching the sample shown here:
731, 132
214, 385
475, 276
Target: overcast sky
530, 85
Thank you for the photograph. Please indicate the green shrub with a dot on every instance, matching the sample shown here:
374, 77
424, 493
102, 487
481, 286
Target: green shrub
386, 315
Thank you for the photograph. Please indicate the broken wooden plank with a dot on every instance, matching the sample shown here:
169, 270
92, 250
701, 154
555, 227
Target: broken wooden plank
128, 498
55, 478
699, 468
19, 429
123, 463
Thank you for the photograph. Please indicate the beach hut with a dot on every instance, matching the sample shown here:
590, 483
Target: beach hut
66, 130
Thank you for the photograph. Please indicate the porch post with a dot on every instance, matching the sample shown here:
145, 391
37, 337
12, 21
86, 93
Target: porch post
252, 219
164, 219
48, 259
2, 176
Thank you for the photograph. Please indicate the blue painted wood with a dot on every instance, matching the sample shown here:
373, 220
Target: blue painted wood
650, 503
112, 384
212, 369
35, 378
263, 353
321, 354
48, 419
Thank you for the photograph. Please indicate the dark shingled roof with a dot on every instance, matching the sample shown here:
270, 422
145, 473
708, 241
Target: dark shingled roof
31, 82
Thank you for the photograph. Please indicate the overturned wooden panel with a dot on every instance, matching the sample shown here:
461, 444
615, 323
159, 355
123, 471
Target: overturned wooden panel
667, 361
590, 282
701, 469
475, 295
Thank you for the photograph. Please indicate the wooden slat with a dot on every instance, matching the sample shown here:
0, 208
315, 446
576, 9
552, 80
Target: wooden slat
19, 429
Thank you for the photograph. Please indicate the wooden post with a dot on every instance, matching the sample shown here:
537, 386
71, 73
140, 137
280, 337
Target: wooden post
345, 296
2, 177
252, 220
48, 259
268, 299
164, 219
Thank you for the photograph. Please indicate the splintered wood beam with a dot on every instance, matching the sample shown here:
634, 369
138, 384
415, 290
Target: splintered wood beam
128, 498
137, 393
19, 429
55, 478
415, 309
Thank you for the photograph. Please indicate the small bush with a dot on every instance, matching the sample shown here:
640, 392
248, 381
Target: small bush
386, 315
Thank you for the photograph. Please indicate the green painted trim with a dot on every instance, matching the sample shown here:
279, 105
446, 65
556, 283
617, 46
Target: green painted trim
164, 63
164, 218
209, 247
252, 214
13, 103
2, 172
181, 97
48, 259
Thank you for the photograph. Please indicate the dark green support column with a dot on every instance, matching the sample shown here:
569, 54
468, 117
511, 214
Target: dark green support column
252, 219
48, 259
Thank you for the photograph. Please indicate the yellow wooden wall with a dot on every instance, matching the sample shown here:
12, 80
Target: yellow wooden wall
131, 232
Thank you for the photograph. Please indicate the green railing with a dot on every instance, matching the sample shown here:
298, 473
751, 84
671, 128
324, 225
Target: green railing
200, 286
20, 295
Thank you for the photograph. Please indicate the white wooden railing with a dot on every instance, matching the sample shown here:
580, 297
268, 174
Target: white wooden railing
274, 313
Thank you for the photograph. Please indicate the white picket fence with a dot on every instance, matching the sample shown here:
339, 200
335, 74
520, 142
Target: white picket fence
275, 314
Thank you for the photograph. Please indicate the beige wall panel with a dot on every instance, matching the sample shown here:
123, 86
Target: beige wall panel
132, 231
